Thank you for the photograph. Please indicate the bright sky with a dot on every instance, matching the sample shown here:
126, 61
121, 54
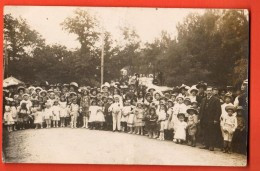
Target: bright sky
148, 22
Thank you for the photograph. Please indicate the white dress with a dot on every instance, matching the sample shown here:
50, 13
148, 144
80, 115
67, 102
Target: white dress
125, 113
48, 113
14, 112
180, 130
64, 109
100, 115
8, 117
56, 113
38, 117
93, 113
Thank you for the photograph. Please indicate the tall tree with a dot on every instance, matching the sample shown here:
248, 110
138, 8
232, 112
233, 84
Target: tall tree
20, 41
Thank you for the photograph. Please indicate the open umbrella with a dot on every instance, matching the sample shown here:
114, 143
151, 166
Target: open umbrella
11, 81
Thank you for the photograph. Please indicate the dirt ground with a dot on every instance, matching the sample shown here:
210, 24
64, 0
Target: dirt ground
65, 145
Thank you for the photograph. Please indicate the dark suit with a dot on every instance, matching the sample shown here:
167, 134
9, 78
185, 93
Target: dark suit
210, 111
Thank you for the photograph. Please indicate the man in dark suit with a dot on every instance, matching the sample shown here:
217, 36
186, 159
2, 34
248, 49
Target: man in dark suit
210, 111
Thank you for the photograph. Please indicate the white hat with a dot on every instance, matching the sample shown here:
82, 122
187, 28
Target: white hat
31, 87
193, 88
43, 91
25, 95
117, 96
74, 84
106, 84
180, 96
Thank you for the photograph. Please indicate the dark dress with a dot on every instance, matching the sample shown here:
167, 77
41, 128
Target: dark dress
151, 122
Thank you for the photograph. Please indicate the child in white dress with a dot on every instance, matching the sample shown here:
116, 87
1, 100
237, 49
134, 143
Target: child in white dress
63, 111
8, 118
38, 118
180, 129
14, 114
93, 114
56, 114
100, 116
48, 114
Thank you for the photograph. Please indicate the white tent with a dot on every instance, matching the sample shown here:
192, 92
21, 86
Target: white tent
11, 81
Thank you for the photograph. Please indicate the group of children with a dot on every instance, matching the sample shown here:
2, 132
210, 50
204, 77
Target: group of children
138, 110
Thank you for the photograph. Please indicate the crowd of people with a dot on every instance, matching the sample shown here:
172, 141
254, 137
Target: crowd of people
200, 114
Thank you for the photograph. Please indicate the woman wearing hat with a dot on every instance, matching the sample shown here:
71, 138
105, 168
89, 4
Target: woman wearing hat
228, 125
193, 91
201, 86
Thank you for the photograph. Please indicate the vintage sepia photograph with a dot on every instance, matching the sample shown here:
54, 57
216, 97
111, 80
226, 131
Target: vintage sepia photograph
124, 85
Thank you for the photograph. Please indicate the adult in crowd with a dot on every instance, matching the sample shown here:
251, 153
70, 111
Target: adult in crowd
210, 111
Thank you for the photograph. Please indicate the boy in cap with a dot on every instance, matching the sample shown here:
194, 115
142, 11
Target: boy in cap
228, 125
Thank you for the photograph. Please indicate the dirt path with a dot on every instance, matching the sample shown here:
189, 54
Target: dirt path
65, 145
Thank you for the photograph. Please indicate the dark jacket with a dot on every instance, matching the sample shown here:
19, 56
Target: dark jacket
210, 110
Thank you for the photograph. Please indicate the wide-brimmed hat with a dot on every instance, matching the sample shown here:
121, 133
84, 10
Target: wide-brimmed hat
228, 95
21, 87
25, 95
150, 88
43, 91
31, 88
38, 88
230, 107
117, 96
180, 114
106, 84
187, 99
240, 108
180, 96
192, 109
193, 88
202, 84
72, 93
74, 84
183, 86
110, 97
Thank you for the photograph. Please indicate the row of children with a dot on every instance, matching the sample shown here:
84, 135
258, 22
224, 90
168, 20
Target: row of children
163, 115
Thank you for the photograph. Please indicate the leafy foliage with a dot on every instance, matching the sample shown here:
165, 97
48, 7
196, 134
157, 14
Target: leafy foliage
213, 47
